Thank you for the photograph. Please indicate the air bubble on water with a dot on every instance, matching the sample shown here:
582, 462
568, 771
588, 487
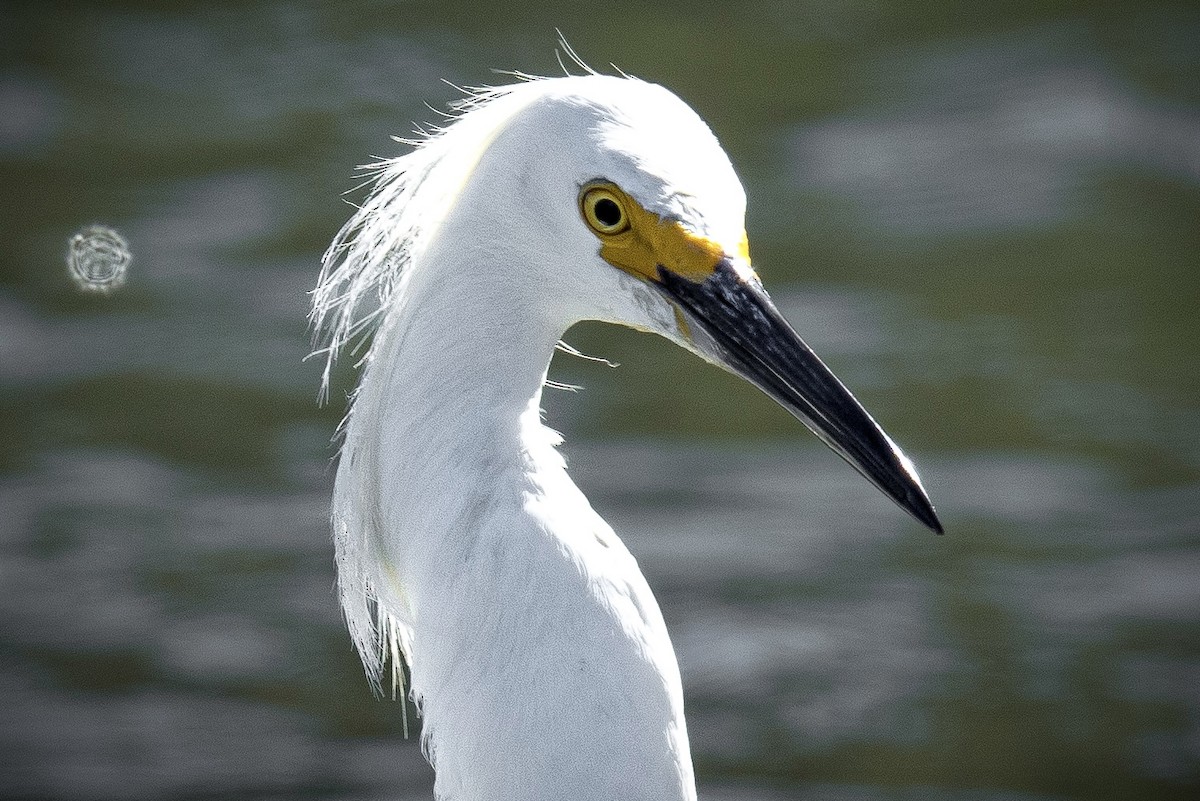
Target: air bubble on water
98, 259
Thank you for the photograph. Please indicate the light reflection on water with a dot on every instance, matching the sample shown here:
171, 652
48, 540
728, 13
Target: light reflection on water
168, 625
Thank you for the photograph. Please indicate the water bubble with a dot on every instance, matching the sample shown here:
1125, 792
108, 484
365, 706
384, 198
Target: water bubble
98, 259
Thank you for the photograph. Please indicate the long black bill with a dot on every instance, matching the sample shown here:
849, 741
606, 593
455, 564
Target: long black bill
748, 335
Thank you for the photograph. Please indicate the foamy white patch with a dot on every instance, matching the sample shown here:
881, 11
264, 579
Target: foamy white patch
98, 259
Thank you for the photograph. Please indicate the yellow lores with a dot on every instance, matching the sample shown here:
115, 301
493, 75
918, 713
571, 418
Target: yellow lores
639, 241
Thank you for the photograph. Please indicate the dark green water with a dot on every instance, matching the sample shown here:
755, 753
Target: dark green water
986, 220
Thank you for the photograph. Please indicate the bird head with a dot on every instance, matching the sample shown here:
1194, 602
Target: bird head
643, 220
608, 198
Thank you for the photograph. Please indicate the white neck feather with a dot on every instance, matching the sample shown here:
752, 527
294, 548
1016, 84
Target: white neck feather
538, 655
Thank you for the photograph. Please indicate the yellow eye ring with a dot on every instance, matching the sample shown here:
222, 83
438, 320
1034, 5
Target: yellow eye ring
603, 210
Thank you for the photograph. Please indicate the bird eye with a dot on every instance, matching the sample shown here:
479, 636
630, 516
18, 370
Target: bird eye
604, 211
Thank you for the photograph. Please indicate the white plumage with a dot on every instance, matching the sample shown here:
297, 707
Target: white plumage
538, 656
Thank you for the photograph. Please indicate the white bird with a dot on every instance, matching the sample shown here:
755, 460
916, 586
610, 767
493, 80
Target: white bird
537, 655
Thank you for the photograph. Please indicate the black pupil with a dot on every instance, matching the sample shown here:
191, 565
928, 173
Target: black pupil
607, 212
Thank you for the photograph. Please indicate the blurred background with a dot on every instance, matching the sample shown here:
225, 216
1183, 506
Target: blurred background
986, 218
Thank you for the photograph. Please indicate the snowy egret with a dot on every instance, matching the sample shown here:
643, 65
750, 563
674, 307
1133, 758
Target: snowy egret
536, 652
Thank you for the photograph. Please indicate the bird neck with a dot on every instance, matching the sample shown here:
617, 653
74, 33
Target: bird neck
450, 402
537, 653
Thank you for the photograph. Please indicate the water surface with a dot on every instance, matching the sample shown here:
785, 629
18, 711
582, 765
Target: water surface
986, 224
